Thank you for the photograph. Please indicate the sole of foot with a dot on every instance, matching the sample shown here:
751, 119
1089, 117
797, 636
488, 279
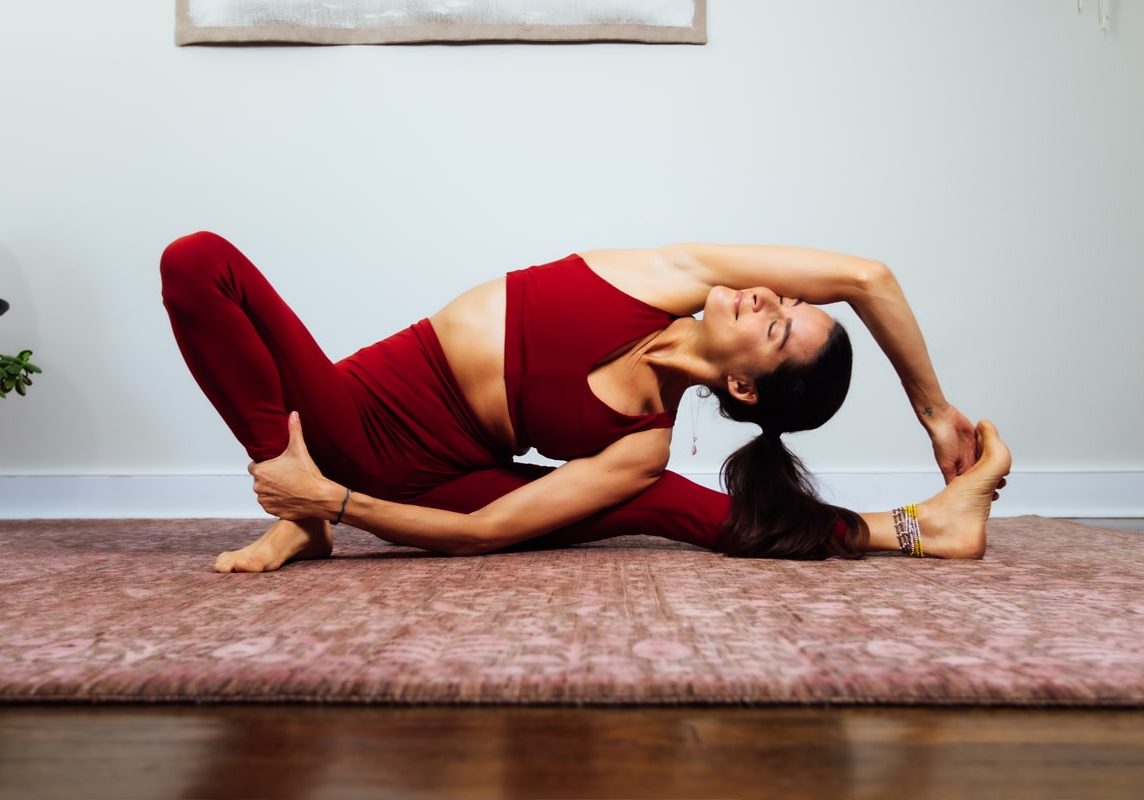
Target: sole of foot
286, 541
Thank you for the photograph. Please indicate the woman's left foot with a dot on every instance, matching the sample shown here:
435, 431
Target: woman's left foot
286, 541
953, 521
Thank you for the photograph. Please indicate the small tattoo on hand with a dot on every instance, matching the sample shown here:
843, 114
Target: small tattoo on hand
928, 411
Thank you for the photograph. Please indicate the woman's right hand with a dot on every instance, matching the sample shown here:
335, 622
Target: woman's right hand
291, 486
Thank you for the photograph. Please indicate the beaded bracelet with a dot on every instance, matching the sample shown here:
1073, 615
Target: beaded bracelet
908, 531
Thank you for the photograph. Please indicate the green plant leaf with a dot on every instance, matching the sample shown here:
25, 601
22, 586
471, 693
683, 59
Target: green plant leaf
24, 355
20, 390
30, 367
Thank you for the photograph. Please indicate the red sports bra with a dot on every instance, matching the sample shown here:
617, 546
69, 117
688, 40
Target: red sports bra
561, 320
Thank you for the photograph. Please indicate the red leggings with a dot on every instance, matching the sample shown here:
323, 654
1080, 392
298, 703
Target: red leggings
388, 421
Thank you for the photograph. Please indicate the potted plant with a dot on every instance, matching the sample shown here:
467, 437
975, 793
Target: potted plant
15, 371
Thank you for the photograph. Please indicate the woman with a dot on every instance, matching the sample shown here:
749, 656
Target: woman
586, 359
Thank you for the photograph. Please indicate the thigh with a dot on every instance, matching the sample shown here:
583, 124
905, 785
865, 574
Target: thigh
253, 357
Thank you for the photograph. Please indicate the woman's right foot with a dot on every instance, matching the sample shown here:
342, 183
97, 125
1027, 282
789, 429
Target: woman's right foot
284, 542
952, 522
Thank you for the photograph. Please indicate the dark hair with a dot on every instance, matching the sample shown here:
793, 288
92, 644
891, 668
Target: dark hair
775, 510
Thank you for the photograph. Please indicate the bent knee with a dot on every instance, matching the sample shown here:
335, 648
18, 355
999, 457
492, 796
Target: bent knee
187, 261
189, 251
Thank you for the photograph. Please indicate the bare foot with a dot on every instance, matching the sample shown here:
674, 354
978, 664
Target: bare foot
953, 521
286, 541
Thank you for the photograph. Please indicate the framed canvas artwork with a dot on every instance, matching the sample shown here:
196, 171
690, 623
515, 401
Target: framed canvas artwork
410, 21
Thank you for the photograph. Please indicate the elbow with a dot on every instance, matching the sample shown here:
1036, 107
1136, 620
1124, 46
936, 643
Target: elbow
476, 540
460, 551
464, 548
871, 278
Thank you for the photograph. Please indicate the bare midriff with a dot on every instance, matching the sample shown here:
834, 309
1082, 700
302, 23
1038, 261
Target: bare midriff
471, 329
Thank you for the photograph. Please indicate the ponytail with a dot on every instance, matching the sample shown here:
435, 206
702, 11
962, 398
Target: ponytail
775, 510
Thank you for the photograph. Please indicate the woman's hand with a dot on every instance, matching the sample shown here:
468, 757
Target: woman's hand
954, 441
291, 486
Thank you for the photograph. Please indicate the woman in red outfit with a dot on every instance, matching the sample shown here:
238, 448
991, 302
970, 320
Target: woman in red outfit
586, 359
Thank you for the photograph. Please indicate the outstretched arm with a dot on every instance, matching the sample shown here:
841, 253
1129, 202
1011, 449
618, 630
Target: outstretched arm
292, 487
871, 289
678, 278
883, 308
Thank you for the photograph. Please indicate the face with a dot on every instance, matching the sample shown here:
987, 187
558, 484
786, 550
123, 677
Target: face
755, 331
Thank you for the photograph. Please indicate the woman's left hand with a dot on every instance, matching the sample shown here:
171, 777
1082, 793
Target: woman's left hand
954, 442
291, 485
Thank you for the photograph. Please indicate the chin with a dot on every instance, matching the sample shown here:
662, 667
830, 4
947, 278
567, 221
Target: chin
719, 297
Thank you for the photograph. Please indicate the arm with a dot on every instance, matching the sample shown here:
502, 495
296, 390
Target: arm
883, 309
872, 291
292, 487
678, 278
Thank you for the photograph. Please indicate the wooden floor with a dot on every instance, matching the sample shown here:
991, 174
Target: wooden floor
706, 752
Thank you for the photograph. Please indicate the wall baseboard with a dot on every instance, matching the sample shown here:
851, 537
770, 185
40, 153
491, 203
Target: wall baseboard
1102, 494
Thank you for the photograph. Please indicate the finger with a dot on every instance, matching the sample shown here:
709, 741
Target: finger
947, 471
293, 431
297, 442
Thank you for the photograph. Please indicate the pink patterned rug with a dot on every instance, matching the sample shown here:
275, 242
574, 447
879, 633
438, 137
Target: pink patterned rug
130, 611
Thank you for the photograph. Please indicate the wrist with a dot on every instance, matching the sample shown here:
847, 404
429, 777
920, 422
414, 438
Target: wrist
931, 413
330, 498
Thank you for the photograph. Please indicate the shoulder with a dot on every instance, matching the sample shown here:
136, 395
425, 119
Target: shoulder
660, 276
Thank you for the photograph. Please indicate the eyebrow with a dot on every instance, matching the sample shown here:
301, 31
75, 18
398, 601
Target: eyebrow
786, 335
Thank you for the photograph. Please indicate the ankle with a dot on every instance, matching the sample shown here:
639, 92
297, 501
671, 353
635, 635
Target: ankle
908, 532
315, 524
946, 535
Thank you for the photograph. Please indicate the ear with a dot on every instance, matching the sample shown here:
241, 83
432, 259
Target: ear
742, 389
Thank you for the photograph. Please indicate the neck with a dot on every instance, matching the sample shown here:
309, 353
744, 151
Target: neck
676, 355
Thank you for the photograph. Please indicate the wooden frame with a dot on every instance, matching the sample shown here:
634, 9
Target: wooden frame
415, 21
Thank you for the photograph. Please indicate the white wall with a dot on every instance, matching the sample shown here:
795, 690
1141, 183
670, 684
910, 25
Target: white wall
990, 152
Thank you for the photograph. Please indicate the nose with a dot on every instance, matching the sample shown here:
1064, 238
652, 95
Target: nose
763, 299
